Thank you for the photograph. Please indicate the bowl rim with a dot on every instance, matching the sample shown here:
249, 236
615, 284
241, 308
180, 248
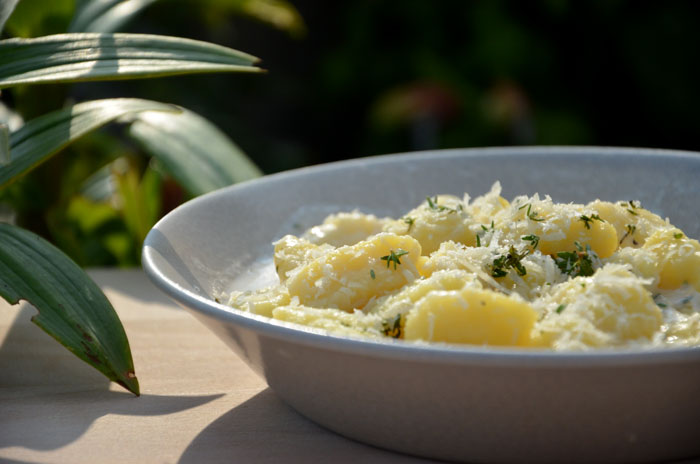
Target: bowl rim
442, 353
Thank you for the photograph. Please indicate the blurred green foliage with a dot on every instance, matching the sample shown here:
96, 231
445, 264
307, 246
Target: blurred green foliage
599, 72
360, 78
98, 198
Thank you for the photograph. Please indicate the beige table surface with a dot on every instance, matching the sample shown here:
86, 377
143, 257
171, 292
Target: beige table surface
198, 403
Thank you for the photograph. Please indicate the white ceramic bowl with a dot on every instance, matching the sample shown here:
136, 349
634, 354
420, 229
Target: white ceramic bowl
450, 402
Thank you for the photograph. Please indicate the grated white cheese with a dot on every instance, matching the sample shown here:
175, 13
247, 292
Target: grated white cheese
530, 272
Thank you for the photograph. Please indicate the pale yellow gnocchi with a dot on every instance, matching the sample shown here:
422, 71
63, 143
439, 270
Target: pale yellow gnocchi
527, 273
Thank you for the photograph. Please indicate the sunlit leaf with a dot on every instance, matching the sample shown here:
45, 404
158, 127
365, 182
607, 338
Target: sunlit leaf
193, 150
279, 13
40, 138
72, 309
106, 15
96, 56
110, 15
6, 9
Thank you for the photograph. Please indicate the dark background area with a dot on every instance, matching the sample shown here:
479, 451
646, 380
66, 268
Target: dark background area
373, 77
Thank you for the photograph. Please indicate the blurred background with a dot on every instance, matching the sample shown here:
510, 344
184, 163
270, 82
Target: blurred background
348, 79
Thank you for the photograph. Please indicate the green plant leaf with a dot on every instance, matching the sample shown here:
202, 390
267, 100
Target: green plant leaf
4, 144
96, 56
6, 9
106, 15
40, 138
110, 15
194, 151
280, 14
72, 309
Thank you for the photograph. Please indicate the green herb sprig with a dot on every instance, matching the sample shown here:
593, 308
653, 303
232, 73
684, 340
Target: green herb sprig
630, 230
433, 205
510, 260
533, 239
486, 229
587, 220
393, 257
576, 263
532, 215
632, 207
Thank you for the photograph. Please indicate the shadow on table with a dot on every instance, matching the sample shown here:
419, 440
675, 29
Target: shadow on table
243, 435
38, 426
140, 286
49, 398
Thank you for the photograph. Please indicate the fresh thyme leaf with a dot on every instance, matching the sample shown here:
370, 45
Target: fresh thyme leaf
576, 263
510, 260
498, 272
372, 274
588, 219
478, 240
532, 215
632, 212
585, 266
631, 228
433, 204
560, 308
566, 261
392, 328
677, 235
410, 221
518, 266
393, 257
533, 239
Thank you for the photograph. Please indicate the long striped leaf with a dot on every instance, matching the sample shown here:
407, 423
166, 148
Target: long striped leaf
72, 309
6, 8
193, 150
106, 15
40, 138
110, 15
97, 56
